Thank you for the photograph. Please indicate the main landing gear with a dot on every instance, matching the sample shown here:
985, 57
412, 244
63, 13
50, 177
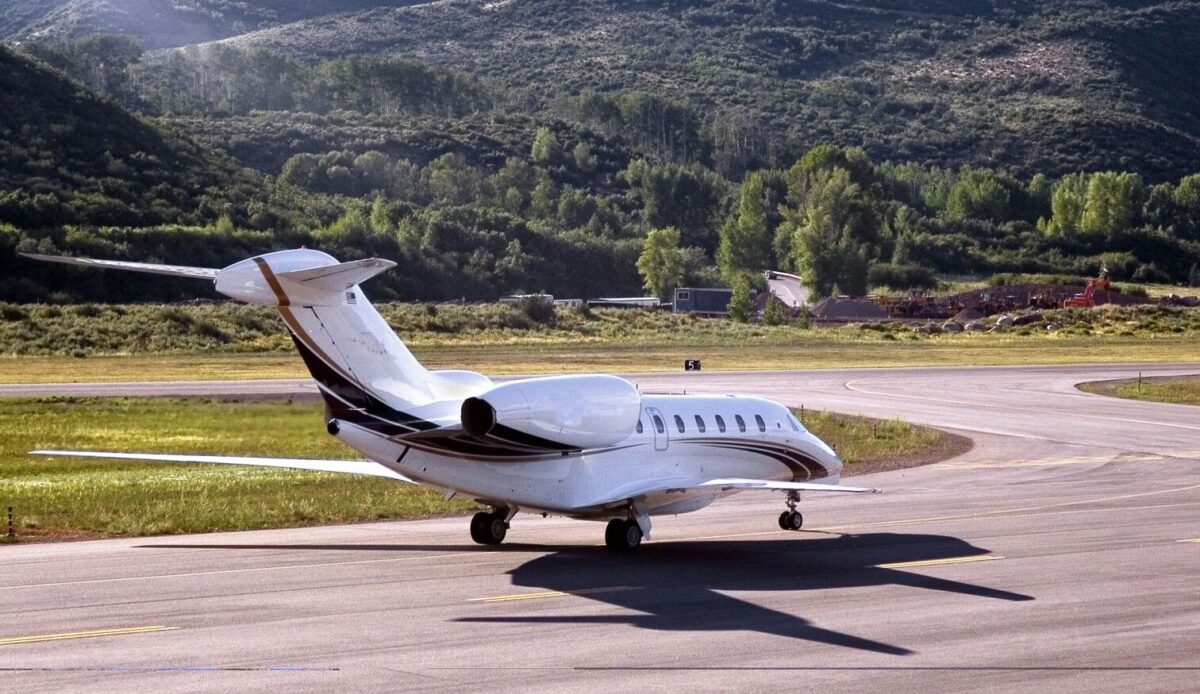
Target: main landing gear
490, 527
791, 519
623, 535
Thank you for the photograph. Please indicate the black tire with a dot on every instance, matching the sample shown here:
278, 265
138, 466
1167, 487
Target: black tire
496, 528
622, 535
795, 520
784, 521
478, 523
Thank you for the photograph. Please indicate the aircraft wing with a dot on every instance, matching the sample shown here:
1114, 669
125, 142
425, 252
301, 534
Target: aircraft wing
733, 483
351, 467
201, 273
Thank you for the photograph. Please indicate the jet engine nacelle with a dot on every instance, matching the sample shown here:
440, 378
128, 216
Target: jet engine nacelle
571, 411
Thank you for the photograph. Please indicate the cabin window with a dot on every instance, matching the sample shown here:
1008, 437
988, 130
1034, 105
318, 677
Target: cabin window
658, 425
700, 423
720, 424
762, 426
679, 423
640, 429
740, 422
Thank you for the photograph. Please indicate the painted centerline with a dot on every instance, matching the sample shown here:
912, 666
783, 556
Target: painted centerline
94, 633
939, 562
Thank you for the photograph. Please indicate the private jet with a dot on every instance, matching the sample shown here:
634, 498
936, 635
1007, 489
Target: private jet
591, 447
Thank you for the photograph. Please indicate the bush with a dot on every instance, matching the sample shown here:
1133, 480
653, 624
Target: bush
537, 309
901, 276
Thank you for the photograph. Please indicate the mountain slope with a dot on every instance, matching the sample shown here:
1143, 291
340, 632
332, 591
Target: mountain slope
1034, 85
161, 23
64, 151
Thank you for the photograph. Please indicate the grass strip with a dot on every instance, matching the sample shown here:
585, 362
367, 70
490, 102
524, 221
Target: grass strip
63, 498
1179, 390
614, 357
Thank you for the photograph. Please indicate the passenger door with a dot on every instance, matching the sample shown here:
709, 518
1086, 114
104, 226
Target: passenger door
658, 423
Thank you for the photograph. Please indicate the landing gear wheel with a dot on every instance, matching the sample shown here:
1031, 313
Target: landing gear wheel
489, 528
623, 535
791, 520
784, 520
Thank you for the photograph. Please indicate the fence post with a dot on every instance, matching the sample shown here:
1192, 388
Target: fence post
11, 534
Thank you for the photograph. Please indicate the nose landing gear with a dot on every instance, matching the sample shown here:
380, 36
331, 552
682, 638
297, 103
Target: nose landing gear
791, 519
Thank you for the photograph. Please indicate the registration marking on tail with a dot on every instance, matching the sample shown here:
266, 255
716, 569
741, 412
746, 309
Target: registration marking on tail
550, 594
95, 633
939, 562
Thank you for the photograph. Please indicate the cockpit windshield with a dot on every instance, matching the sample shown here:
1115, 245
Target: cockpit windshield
796, 425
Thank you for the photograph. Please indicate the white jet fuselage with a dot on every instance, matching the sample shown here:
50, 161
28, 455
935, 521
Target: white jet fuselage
666, 451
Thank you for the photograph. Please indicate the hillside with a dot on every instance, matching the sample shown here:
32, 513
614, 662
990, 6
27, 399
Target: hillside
68, 156
161, 23
1031, 86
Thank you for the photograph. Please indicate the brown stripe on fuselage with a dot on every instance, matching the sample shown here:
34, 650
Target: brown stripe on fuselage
272, 281
293, 324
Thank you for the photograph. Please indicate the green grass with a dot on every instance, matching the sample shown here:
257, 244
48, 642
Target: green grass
1180, 390
63, 498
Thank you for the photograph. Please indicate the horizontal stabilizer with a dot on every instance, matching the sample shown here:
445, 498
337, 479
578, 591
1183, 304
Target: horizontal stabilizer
200, 273
335, 278
350, 467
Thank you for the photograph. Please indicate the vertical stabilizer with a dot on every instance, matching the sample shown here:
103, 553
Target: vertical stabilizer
354, 355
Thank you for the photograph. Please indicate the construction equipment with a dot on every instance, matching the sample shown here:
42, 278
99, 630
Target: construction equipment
1088, 298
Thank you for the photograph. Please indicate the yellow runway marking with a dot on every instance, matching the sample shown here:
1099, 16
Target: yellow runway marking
83, 634
549, 594
939, 562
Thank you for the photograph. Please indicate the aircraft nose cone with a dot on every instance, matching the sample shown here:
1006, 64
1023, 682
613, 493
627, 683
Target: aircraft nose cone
826, 456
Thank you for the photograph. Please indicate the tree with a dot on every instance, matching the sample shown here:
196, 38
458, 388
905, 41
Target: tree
545, 146
662, 262
585, 161
1066, 206
774, 312
833, 235
1187, 201
978, 194
1111, 203
688, 198
745, 245
740, 305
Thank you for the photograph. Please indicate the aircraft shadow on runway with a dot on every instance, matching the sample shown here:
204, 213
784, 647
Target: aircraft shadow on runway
682, 586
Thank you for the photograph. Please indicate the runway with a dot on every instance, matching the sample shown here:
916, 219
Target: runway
1061, 553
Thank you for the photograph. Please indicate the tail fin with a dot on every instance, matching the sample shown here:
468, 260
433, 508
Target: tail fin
351, 351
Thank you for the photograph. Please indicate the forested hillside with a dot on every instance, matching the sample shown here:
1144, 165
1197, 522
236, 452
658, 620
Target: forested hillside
609, 148
1037, 86
161, 23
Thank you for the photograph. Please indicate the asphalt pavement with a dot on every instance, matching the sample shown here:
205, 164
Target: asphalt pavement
1061, 553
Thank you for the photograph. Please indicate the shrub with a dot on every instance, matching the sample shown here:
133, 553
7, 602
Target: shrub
901, 276
537, 309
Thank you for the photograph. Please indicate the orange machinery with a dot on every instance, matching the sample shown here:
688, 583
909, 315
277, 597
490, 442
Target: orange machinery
1088, 298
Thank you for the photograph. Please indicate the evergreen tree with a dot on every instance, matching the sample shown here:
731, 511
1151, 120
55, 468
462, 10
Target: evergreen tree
745, 245
774, 312
740, 304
